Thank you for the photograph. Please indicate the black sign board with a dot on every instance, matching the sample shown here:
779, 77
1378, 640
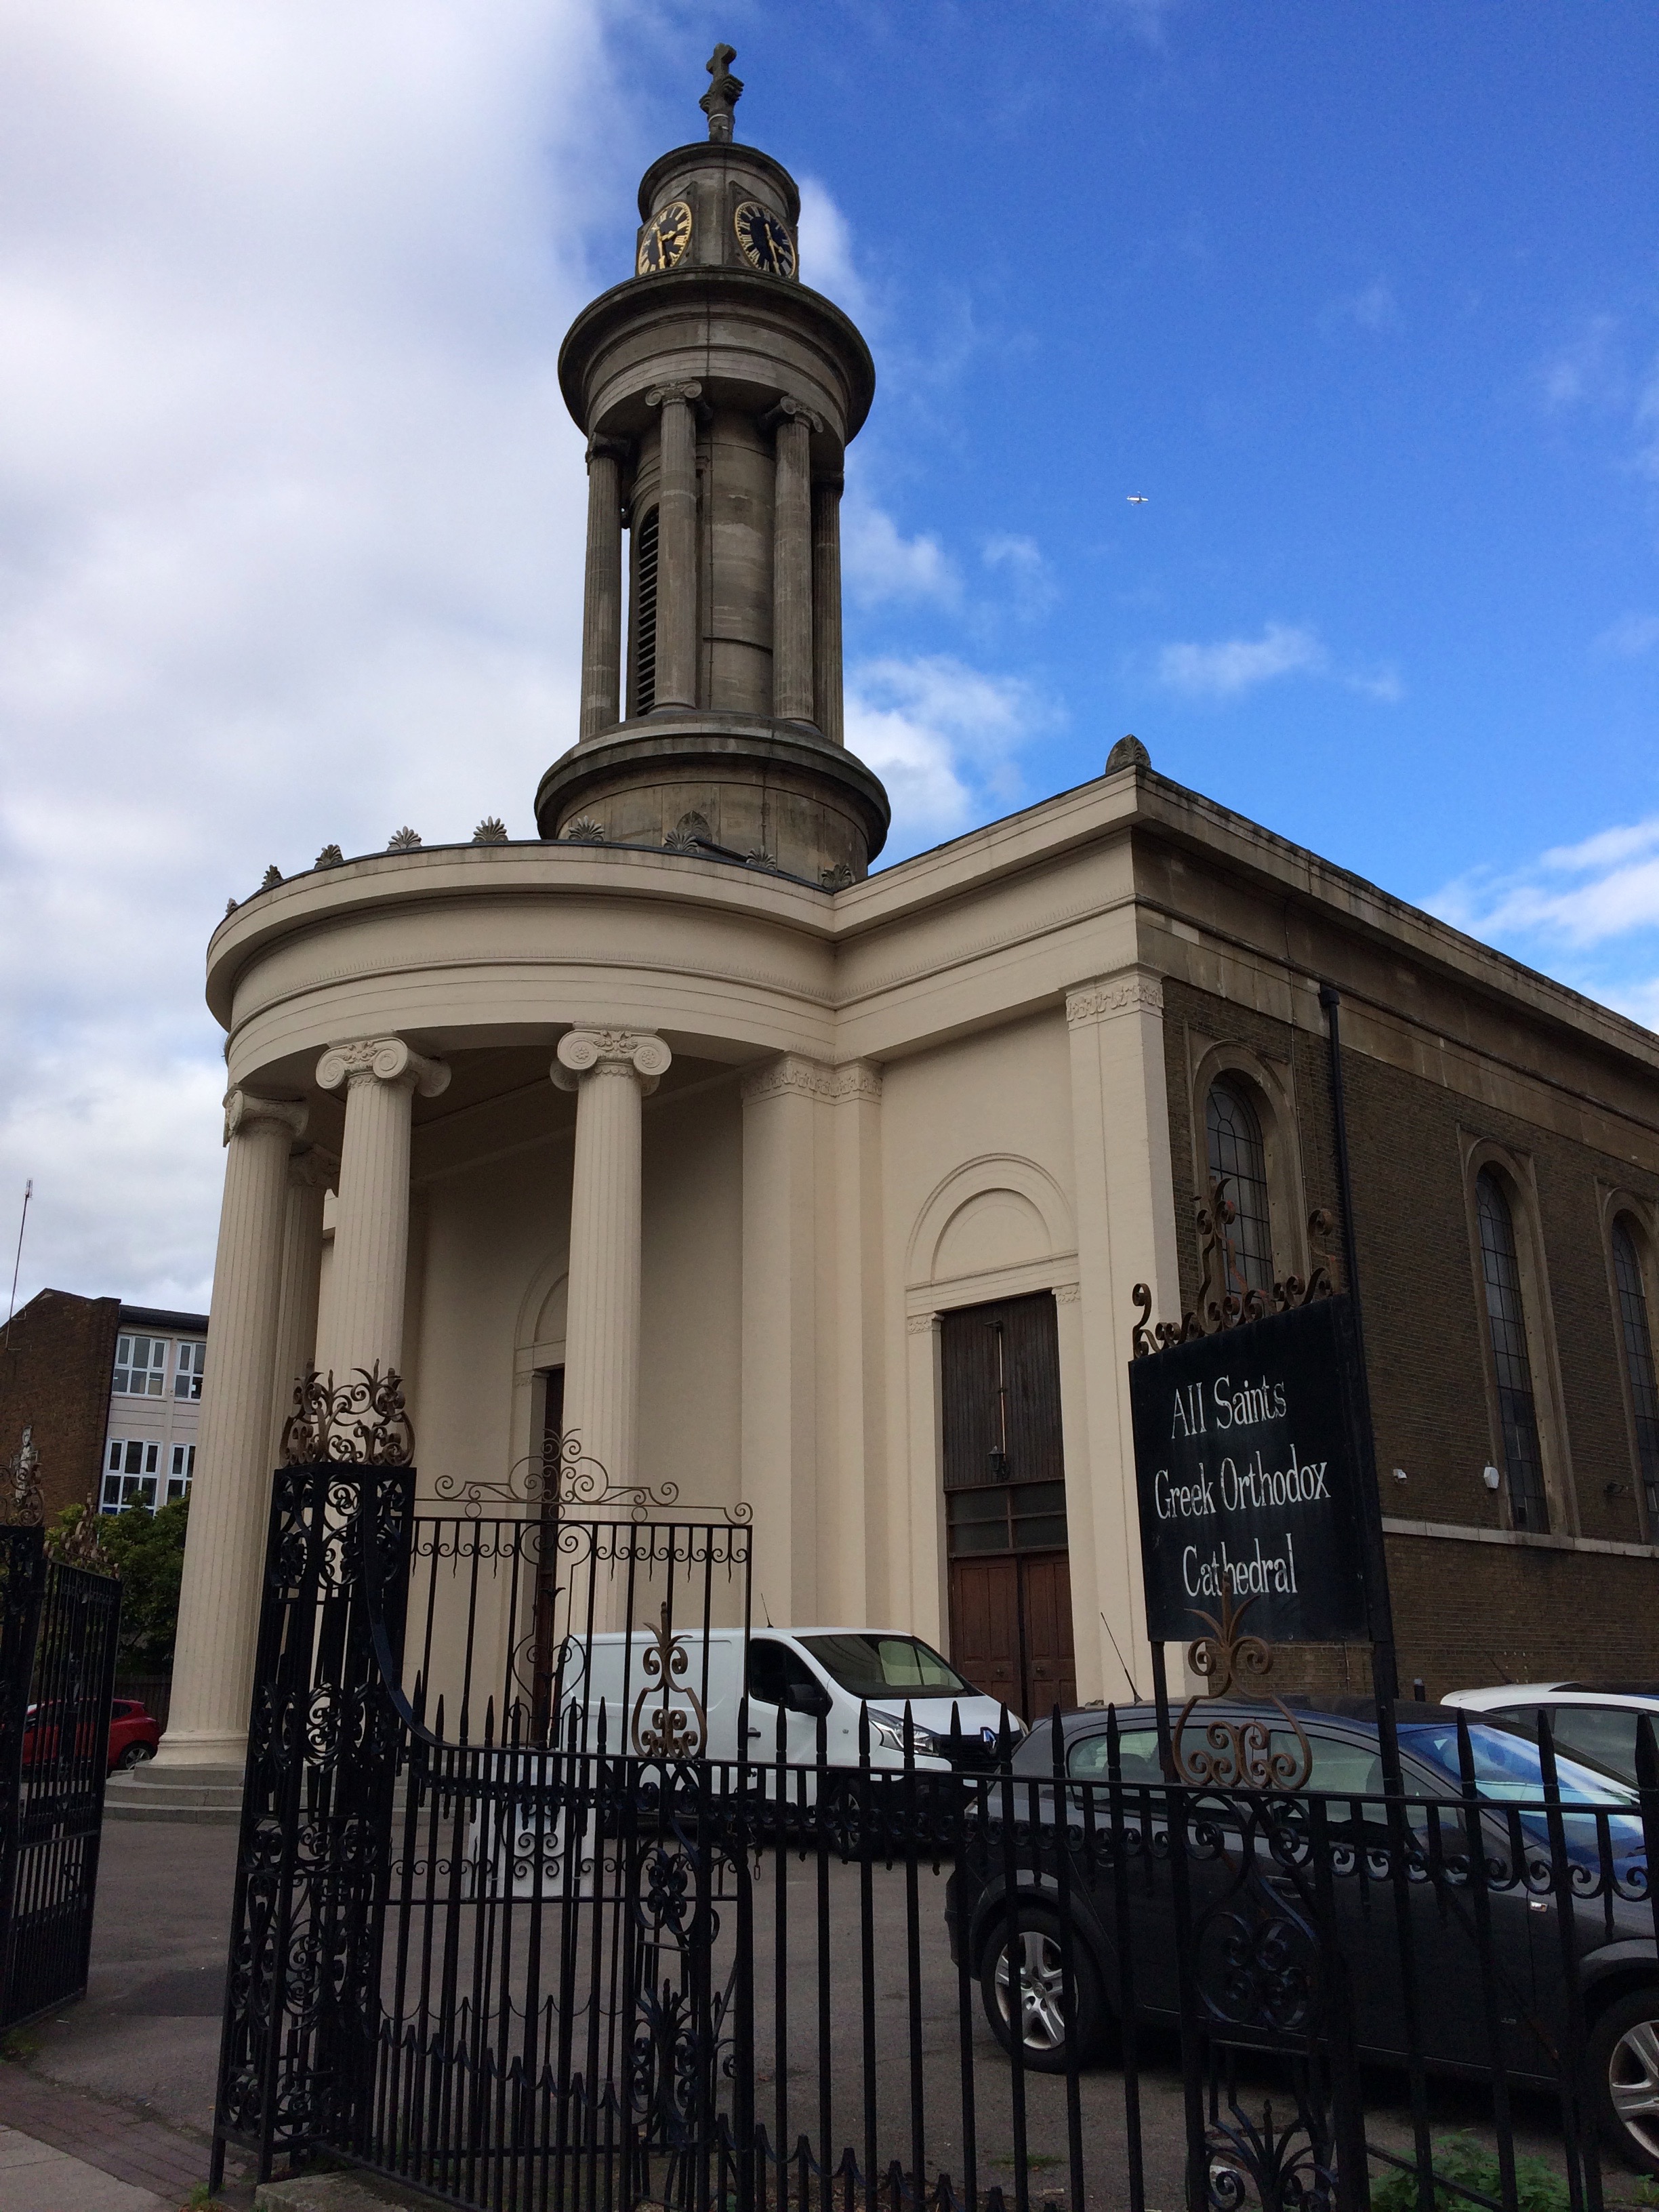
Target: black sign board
1248, 1463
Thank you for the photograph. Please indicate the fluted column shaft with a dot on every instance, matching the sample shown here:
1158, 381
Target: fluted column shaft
676, 546
792, 569
310, 1175
826, 608
230, 1492
602, 593
611, 1071
371, 1215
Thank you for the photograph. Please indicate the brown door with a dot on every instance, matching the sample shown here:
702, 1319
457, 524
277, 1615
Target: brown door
1004, 1484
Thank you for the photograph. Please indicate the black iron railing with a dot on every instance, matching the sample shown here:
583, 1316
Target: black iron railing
529, 1915
58, 1645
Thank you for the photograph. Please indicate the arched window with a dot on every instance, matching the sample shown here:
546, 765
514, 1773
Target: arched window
1238, 1155
1638, 1335
1523, 1458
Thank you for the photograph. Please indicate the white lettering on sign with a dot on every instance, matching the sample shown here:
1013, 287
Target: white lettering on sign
1242, 1405
1302, 1483
1260, 1574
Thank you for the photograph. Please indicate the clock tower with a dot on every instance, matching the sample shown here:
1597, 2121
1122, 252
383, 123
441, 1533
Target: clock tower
717, 393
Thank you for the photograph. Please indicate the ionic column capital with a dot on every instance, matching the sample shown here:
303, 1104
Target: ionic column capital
601, 448
585, 1052
243, 1110
313, 1169
389, 1059
664, 394
789, 409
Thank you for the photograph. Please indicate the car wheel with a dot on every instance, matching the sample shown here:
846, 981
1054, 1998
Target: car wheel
1025, 1950
134, 1755
1624, 2071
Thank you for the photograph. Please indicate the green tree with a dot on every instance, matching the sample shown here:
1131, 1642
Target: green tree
147, 1551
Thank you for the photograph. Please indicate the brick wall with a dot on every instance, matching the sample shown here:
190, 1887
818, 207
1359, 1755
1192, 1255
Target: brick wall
1464, 1612
55, 1375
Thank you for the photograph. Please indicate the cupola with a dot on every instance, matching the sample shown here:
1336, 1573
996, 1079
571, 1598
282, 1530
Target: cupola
717, 393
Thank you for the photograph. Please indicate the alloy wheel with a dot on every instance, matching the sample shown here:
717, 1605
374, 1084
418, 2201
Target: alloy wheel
1633, 2082
1042, 2018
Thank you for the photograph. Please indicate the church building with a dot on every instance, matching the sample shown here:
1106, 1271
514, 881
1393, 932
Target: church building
677, 1131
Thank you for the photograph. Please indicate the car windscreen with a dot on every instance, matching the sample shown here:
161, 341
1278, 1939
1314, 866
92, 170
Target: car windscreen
1507, 1766
871, 1665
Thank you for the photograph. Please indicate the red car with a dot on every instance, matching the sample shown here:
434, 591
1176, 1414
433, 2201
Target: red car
133, 1735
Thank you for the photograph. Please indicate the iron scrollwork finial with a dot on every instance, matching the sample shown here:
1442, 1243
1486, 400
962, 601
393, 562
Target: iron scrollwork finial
1226, 1299
362, 1422
1237, 1752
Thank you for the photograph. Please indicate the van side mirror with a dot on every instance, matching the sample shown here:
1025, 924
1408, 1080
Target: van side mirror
809, 1698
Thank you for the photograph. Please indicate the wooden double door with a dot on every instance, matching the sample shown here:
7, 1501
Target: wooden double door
1004, 1504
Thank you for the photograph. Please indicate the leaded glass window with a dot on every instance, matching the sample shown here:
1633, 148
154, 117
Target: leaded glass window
1638, 1335
1238, 1159
645, 615
1506, 1318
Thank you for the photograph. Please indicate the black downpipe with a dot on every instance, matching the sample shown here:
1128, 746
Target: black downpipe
1385, 1672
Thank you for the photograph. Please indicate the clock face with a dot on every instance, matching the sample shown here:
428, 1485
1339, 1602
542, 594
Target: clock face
766, 243
664, 239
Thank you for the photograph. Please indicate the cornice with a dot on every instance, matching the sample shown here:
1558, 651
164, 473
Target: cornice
1133, 991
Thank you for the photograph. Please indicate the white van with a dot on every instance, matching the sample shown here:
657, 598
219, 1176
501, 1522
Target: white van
797, 1674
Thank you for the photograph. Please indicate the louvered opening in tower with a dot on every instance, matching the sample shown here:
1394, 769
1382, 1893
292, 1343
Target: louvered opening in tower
645, 615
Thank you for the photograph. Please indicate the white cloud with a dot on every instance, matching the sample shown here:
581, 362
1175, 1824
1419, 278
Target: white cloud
291, 519
1236, 665
880, 565
1629, 637
1583, 894
944, 738
1587, 368
826, 251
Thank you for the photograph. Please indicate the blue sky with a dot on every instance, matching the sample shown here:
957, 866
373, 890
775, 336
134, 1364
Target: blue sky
1365, 301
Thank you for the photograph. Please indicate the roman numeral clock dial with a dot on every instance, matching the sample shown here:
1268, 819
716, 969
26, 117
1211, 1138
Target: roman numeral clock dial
767, 246
664, 239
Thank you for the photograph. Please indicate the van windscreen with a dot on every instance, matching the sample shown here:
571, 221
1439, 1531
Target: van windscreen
871, 1665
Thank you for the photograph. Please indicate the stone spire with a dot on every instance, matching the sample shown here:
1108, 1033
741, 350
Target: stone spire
722, 95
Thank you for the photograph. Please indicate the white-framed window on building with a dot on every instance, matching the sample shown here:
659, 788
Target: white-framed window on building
131, 1474
192, 1365
179, 1474
140, 1366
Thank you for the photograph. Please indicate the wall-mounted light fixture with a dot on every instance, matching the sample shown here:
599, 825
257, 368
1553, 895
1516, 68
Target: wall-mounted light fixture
1491, 1477
1400, 1474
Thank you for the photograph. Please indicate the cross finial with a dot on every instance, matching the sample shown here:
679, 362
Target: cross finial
722, 95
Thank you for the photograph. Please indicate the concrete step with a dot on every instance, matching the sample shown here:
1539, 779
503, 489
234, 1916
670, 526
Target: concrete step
156, 1791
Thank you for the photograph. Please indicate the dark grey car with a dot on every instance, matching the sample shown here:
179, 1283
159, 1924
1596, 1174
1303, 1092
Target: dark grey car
1248, 1886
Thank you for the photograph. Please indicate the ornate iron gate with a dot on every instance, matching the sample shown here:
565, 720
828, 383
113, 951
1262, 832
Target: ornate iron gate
531, 1915
58, 1645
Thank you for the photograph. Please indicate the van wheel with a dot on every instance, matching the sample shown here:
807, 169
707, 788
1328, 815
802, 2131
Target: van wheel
1623, 2072
1025, 1953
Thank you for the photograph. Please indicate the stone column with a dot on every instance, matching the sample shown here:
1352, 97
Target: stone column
1125, 1235
371, 1216
311, 1173
676, 545
611, 1071
826, 608
602, 594
230, 1493
791, 563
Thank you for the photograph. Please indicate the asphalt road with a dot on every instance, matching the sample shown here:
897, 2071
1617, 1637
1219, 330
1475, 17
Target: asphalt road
148, 2030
